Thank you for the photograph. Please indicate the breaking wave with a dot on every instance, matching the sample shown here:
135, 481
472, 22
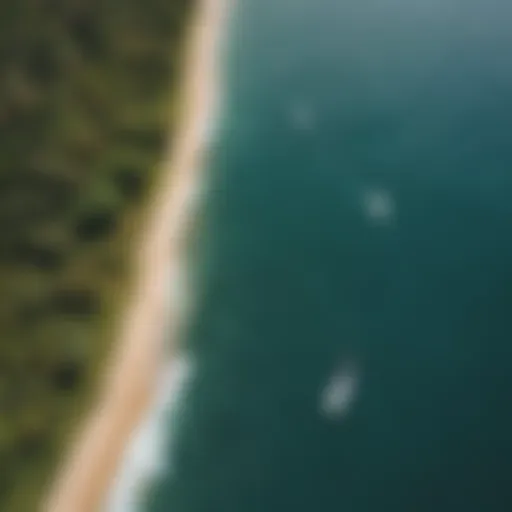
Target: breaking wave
147, 455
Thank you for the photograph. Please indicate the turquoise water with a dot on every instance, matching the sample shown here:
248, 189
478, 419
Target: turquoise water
359, 209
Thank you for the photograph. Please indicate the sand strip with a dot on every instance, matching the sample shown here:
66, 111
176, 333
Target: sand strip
92, 463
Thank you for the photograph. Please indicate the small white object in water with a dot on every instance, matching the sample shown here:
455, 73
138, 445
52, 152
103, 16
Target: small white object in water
379, 205
340, 392
302, 116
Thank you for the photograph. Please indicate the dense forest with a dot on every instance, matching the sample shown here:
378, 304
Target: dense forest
87, 98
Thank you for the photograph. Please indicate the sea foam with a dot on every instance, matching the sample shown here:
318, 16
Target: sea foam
147, 456
340, 391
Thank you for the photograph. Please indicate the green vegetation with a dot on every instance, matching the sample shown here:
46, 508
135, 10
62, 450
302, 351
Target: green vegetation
85, 105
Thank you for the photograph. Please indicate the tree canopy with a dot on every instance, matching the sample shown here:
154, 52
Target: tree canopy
85, 104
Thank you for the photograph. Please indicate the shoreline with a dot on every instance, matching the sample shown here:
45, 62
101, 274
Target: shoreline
125, 393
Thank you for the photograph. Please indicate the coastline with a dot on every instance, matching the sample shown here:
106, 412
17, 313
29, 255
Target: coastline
129, 379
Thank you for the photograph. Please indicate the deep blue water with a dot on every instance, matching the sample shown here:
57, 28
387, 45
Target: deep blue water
360, 207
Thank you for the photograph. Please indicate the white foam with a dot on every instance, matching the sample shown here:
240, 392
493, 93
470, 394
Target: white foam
340, 391
379, 205
147, 455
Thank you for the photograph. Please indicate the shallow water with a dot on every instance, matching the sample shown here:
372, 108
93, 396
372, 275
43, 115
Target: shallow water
359, 209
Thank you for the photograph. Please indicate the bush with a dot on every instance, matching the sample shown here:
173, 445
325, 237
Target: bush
76, 300
130, 181
67, 374
96, 224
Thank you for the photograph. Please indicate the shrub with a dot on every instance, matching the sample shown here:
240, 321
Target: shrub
76, 300
96, 224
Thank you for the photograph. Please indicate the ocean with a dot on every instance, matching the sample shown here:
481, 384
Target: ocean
351, 328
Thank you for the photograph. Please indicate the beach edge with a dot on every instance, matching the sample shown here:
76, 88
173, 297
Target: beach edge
92, 461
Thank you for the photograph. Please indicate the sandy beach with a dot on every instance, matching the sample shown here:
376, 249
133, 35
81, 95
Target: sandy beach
90, 466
